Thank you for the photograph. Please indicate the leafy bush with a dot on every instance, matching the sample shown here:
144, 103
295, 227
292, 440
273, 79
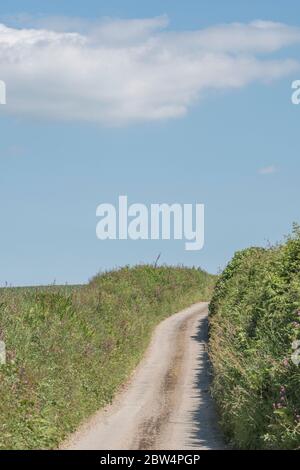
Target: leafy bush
254, 320
70, 348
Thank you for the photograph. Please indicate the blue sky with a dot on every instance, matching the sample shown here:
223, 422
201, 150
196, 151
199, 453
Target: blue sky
54, 172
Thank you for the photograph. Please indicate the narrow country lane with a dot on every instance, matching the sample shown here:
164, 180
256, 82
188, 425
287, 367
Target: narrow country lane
166, 404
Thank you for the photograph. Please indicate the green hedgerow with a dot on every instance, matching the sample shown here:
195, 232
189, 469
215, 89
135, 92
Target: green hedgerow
70, 348
254, 319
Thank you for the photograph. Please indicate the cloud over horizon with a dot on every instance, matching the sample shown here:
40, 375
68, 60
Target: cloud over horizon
115, 72
267, 170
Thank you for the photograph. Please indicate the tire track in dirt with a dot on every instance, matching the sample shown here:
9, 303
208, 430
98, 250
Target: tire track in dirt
166, 404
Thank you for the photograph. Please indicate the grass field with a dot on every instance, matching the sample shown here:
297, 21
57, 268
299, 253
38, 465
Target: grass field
70, 348
254, 324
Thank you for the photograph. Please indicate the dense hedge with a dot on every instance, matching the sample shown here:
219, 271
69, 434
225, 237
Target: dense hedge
254, 326
69, 349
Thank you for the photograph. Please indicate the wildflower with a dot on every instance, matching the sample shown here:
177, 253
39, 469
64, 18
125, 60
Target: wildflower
285, 362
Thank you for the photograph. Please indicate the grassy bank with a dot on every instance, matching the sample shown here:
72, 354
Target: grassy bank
69, 349
254, 320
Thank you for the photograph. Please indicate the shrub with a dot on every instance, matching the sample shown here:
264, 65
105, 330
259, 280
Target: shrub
254, 319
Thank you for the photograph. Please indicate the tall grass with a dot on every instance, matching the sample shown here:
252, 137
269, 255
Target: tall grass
254, 320
69, 349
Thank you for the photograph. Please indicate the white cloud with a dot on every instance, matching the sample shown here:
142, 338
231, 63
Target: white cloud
268, 170
120, 71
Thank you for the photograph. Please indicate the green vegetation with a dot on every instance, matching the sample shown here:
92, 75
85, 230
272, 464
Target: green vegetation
254, 320
69, 349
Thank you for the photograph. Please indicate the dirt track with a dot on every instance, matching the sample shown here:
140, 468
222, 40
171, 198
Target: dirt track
166, 404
